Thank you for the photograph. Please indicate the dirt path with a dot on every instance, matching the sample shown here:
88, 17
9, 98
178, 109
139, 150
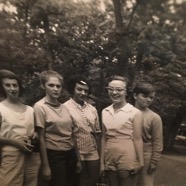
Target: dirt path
172, 169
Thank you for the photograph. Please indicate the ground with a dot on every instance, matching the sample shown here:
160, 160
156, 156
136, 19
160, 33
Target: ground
172, 168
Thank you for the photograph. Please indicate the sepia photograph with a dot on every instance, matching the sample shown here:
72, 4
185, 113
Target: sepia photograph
92, 92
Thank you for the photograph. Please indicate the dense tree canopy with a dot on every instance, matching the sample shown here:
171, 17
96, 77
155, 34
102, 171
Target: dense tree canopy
144, 40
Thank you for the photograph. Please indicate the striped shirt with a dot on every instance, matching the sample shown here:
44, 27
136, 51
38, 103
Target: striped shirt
86, 125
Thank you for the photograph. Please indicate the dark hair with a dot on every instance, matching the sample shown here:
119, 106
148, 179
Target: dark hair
116, 77
70, 86
144, 88
44, 76
9, 75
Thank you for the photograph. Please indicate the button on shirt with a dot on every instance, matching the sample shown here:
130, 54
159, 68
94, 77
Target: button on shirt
86, 125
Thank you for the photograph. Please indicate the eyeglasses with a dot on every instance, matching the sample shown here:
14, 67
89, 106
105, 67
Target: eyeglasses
111, 89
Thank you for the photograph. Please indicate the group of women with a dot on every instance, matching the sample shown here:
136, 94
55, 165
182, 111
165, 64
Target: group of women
68, 134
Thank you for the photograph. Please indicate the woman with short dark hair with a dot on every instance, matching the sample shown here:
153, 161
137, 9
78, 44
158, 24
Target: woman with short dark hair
86, 129
144, 94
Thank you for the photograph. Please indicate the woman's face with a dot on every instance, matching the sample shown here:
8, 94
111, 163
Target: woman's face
80, 93
11, 88
117, 91
53, 87
143, 101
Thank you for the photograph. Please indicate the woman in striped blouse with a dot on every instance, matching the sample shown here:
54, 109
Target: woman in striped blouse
86, 129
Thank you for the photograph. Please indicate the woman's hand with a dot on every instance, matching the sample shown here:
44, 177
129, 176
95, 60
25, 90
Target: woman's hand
35, 135
46, 173
102, 168
136, 170
151, 168
24, 145
78, 167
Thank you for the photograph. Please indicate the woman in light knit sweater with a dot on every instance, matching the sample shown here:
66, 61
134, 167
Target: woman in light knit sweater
144, 95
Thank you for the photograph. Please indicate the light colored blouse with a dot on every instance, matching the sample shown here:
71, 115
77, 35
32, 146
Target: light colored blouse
16, 125
86, 125
120, 124
57, 122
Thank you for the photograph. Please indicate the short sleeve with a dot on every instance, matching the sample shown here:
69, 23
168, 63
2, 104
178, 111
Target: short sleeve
97, 124
39, 116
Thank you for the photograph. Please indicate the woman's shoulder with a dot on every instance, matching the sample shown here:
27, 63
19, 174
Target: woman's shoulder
29, 108
130, 108
40, 102
154, 115
108, 108
90, 106
1, 103
66, 103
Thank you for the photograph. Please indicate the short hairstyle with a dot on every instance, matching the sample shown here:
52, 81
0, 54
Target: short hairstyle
70, 86
9, 75
143, 88
44, 76
116, 77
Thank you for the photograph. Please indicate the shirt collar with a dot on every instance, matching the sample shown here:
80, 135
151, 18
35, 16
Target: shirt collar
126, 108
46, 101
78, 105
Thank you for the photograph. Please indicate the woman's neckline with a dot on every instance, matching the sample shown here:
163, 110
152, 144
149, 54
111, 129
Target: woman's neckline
15, 107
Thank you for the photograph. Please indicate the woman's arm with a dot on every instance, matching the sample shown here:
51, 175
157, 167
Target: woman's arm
39, 115
97, 132
138, 142
157, 142
102, 153
45, 168
20, 144
79, 164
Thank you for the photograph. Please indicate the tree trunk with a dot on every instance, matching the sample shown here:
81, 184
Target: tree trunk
139, 58
122, 46
49, 52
